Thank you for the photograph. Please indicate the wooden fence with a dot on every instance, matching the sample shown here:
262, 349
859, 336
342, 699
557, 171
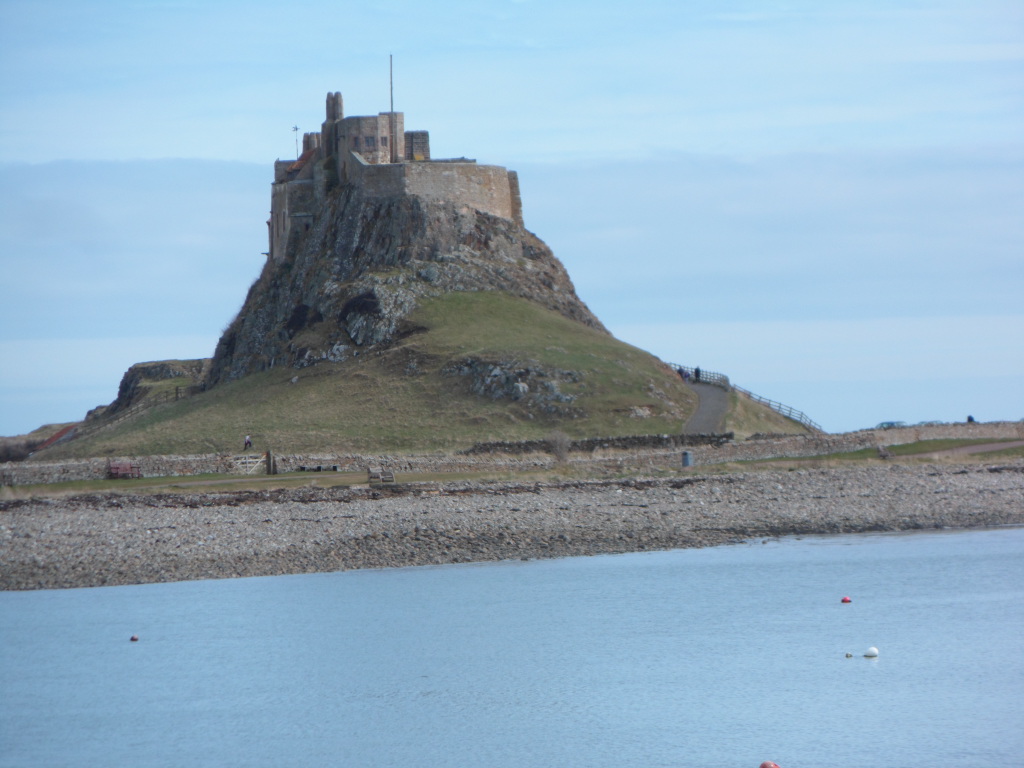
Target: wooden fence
706, 377
785, 410
150, 401
249, 463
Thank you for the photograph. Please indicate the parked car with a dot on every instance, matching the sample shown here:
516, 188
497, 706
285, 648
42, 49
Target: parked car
891, 425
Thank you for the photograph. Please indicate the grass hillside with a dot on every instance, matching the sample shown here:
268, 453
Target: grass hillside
399, 399
746, 417
407, 398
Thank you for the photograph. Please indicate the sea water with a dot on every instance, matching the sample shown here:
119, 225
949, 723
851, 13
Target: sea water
716, 657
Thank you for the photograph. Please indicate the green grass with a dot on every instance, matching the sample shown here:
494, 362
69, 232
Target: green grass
746, 417
379, 402
921, 447
224, 483
1006, 453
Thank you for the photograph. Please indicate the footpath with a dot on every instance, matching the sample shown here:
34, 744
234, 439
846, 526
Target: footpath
709, 418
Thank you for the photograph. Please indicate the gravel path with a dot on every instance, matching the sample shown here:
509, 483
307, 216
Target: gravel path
112, 539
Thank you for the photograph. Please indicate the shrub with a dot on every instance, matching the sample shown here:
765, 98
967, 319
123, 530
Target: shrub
559, 444
17, 448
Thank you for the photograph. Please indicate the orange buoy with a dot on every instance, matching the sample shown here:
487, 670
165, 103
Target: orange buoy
847, 600
769, 764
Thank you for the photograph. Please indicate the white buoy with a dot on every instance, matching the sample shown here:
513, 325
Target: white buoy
871, 653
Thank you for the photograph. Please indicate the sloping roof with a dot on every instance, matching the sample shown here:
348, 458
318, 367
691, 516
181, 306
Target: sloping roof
301, 162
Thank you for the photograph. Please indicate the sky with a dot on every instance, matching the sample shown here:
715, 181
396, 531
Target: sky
823, 201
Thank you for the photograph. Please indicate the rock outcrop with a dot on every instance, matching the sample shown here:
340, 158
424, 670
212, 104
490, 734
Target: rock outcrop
139, 380
363, 266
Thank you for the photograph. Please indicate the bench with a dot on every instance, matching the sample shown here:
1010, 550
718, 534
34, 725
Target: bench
123, 469
379, 475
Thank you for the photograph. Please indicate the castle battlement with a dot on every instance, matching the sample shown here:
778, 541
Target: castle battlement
378, 157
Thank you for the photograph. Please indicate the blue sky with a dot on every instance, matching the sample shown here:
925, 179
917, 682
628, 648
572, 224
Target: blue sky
822, 200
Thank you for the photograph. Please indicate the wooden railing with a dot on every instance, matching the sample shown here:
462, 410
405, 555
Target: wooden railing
706, 377
721, 380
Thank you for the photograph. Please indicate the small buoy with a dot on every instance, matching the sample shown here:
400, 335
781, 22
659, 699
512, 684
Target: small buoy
135, 638
769, 764
849, 655
846, 600
871, 653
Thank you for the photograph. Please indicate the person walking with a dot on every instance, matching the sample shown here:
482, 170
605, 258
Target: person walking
248, 443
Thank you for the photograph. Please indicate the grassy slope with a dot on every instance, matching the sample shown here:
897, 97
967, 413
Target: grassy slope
746, 417
374, 403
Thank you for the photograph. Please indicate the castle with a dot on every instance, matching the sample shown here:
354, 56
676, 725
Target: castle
376, 157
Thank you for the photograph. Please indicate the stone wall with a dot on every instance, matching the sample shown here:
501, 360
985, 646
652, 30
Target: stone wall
996, 430
417, 146
482, 187
515, 198
33, 472
593, 444
641, 450
293, 205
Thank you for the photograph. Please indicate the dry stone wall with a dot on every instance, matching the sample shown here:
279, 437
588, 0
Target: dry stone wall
649, 450
37, 472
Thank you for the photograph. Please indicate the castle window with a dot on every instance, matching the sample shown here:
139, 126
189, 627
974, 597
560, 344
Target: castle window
383, 141
371, 142
355, 142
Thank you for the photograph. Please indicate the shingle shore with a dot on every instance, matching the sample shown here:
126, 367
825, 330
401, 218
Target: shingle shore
95, 540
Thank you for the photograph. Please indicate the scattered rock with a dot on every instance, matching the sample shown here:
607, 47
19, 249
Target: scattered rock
98, 539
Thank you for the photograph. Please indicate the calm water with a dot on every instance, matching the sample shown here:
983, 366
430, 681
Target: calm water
717, 657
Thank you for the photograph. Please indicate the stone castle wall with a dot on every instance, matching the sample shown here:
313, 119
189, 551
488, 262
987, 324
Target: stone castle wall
483, 187
292, 207
486, 188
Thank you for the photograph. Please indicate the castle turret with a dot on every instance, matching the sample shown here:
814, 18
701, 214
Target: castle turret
335, 107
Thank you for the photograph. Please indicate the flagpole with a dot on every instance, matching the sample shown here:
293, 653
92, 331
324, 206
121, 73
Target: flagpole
392, 123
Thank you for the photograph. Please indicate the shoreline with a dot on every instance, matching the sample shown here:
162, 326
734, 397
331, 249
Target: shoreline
111, 539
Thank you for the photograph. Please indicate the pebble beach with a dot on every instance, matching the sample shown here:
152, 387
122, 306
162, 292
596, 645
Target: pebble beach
110, 539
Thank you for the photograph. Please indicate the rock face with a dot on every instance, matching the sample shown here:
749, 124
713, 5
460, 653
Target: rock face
140, 377
355, 256
363, 267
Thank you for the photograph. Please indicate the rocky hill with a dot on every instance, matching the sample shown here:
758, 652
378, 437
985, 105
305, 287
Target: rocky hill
366, 263
404, 306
